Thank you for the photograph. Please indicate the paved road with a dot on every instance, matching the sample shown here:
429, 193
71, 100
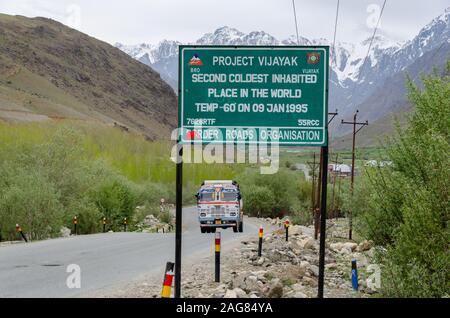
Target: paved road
39, 269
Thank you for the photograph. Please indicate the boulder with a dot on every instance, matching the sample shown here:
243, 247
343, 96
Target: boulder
313, 269
253, 284
298, 294
310, 281
276, 291
261, 261
65, 232
240, 293
304, 265
297, 287
295, 230
350, 245
261, 275
331, 266
230, 294
307, 243
337, 247
222, 288
364, 246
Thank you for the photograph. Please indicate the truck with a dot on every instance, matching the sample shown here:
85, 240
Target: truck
220, 205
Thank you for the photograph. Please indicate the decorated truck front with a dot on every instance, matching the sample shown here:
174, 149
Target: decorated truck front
219, 205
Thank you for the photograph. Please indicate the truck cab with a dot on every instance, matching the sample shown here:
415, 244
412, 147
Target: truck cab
219, 205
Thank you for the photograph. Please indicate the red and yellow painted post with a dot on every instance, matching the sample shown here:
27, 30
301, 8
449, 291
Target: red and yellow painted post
75, 223
261, 234
168, 280
286, 227
217, 245
19, 230
104, 225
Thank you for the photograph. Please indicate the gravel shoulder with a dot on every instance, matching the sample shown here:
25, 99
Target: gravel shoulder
286, 269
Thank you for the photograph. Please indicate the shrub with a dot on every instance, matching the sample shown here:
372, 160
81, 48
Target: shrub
115, 200
283, 187
410, 200
259, 201
28, 199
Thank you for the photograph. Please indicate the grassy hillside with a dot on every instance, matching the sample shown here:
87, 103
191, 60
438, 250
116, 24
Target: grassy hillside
373, 135
48, 70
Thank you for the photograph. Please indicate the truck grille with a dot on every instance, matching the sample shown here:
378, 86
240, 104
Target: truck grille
218, 212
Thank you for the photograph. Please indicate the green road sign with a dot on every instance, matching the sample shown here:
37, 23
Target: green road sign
254, 95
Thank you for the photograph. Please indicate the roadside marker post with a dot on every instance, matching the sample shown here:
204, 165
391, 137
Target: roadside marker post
75, 223
355, 283
217, 242
286, 226
19, 230
104, 225
261, 234
168, 280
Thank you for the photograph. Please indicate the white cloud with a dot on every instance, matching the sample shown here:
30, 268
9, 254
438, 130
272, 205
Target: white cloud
136, 21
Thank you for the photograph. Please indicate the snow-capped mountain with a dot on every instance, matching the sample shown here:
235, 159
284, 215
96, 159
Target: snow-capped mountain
352, 77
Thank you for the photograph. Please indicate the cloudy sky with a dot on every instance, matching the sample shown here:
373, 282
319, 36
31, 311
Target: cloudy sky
136, 21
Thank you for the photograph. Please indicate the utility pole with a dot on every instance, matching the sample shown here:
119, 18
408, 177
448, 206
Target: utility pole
319, 185
355, 131
335, 172
338, 201
314, 203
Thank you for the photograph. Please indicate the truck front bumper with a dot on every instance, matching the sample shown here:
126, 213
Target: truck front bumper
223, 222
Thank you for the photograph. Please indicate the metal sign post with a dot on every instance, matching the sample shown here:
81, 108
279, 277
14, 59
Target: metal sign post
252, 95
178, 219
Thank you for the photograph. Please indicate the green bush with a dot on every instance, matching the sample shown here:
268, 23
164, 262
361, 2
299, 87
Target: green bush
88, 171
409, 201
283, 186
259, 201
28, 199
115, 200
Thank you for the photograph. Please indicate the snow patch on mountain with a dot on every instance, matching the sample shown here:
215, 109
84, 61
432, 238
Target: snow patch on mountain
353, 78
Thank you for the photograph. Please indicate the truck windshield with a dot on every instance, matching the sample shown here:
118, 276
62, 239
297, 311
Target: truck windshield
207, 196
229, 196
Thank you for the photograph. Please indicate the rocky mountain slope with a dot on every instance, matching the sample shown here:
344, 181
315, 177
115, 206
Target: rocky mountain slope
48, 70
354, 82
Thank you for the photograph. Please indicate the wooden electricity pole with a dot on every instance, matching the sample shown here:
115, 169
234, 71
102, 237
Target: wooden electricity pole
314, 202
335, 172
319, 186
355, 131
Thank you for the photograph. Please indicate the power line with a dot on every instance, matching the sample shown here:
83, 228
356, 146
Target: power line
373, 36
335, 31
296, 24
371, 43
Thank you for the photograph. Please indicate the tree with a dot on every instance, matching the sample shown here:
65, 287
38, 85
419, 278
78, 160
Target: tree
409, 201
259, 201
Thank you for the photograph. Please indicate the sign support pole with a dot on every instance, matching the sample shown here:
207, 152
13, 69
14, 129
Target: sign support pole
323, 220
178, 219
